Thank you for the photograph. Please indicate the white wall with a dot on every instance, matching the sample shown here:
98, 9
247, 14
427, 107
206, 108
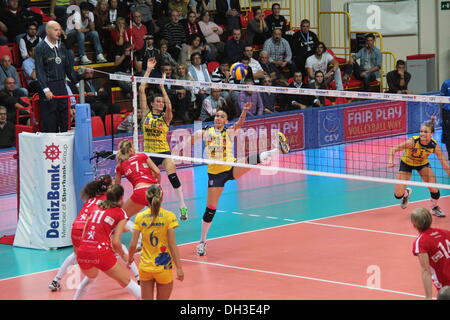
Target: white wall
433, 35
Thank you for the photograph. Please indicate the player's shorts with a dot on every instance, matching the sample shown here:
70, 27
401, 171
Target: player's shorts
157, 160
76, 237
407, 168
163, 277
218, 180
103, 261
138, 196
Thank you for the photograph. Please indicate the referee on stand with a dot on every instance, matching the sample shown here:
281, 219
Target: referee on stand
53, 64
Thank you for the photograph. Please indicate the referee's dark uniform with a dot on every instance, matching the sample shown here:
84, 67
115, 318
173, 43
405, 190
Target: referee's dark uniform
53, 64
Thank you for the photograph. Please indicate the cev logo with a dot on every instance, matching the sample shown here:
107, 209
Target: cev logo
331, 125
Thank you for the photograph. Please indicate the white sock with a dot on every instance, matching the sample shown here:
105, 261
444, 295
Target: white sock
133, 266
406, 194
205, 229
434, 203
130, 225
179, 192
70, 260
83, 288
134, 289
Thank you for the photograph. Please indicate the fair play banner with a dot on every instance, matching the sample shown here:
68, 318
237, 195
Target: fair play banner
47, 204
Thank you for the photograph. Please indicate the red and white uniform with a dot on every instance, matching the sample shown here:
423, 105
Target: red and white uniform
78, 225
136, 170
95, 248
436, 242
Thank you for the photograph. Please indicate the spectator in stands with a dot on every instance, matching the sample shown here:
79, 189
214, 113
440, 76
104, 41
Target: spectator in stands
212, 33
122, 63
10, 98
279, 51
3, 31
222, 72
191, 26
303, 44
194, 45
120, 35
7, 130
319, 84
181, 73
166, 57
257, 71
277, 21
160, 8
269, 100
127, 125
58, 9
321, 60
398, 79
17, 20
234, 46
257, 30
29, 40
269, 67
211, 104
369, 67
104, 26
228, 13
174, 33
83, 28
99, 95
179, 96
251, 97
179, 5
299, 101
138, 31
116, 11
145, 8
149, 51
199, 72
8, 70
29, 69
201, 6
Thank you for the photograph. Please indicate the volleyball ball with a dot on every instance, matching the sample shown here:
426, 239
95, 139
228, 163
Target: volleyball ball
238, 71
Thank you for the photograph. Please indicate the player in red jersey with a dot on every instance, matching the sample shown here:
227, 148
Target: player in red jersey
140, 170
432, 247
96, 249
92, 193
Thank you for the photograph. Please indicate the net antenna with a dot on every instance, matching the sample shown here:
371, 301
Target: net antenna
134, 90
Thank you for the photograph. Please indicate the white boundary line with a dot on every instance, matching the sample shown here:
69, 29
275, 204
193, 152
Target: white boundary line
303, 277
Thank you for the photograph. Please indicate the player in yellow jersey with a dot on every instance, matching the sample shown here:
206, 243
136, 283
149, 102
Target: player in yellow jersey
155, 125
159, 247
415, 157
219, 146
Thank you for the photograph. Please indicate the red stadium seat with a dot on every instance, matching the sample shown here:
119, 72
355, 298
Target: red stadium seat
244, 21
339, 60
39, 11
98, 128
116, 119
22, 78
212, 65
341, 100
267, 13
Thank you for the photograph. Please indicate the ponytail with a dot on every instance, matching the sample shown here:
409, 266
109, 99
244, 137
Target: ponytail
154, 195
124, 151
96, 187
431, 123
113, 197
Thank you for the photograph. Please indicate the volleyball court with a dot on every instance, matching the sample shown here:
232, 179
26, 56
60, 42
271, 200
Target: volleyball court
318, 223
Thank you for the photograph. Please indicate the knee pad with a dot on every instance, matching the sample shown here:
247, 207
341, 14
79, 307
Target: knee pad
209, 215
397, 197
174, 181
435, 195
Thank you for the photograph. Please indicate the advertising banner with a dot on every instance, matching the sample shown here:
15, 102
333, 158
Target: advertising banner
47, 198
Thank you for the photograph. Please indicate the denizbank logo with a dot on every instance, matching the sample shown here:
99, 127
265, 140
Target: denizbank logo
56, 190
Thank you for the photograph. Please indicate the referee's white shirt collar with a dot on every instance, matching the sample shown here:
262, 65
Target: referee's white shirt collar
51, 45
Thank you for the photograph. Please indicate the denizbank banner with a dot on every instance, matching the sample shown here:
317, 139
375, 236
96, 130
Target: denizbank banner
47, 199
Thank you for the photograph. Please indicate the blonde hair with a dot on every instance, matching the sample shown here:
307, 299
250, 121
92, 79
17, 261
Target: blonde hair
124, 151
113, 196
154, 195
421, 219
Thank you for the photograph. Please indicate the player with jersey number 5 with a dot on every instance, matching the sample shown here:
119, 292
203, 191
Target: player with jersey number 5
416, 151
155, 125
219, 146
432, 247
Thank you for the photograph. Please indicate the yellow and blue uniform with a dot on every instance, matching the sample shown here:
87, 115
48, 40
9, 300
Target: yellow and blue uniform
156, 260
155, 131
219, 146
417, 157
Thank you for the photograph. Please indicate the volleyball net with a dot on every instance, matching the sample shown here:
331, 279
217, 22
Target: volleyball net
350, 141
